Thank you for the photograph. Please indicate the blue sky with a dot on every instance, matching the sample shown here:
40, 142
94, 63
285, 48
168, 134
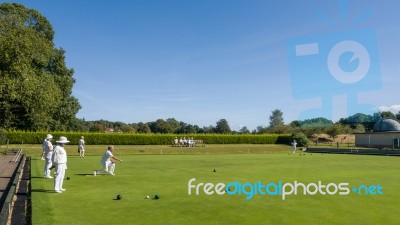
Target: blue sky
201, 61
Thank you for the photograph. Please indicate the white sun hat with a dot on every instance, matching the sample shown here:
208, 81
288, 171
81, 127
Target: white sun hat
49, 136
62, 140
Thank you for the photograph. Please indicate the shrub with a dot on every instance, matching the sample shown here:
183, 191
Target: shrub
301, 139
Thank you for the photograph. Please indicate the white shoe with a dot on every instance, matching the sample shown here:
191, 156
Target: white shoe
57, 191
62, 189
95, 173
48, 177
112, 174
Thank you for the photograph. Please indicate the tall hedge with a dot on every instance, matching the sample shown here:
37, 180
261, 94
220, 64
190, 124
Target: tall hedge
18, 137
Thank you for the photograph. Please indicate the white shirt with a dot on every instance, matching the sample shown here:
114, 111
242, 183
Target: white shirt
48, 148
60, 155
106, 157
81, 142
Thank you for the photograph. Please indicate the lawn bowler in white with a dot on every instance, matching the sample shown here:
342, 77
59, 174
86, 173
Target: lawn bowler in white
44, 149
294, 145
48, 154
108, 162
60, 162
81, 147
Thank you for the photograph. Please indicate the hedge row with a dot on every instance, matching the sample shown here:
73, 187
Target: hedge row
18, 137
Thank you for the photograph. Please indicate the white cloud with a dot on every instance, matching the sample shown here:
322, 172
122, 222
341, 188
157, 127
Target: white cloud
394, 108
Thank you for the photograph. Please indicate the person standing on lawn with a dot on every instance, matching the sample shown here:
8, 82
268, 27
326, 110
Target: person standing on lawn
81, 147
60, 162
48, 154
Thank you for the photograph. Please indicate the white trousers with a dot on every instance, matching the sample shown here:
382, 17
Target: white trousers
59, 176
108, 167
48, 164
81, 151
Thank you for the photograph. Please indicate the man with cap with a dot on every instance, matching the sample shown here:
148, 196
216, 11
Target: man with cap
44, 147
60, 162
48, 153
81, 147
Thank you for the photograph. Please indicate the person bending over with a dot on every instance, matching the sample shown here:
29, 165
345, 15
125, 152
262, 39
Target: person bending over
108, 162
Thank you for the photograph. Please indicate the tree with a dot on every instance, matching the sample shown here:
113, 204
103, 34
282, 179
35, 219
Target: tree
79, 125
261, 130
190, 129
276, 119
317, 122
223, 127
2, 137
359, 118
35, 84
143, 128
300, 138
160, 126
244, 130
359, 128
127, 128
335, 130
208, 129
295, 123
388, 114
97, 127
173, 125
367, 121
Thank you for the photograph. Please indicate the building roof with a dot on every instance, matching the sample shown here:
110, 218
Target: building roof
386, 124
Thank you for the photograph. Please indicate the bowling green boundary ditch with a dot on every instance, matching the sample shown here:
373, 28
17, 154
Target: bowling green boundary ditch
15, 200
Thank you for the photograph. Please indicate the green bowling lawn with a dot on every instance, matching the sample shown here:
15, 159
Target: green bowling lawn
372, 182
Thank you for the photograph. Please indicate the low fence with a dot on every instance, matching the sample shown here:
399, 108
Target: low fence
355, 150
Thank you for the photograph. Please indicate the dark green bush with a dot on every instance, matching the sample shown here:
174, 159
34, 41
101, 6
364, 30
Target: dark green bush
18, 137
300, 138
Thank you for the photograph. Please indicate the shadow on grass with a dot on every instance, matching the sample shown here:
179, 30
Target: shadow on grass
43, 190
84, 174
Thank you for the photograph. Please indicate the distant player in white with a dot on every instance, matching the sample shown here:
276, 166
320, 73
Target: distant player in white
48, 154
108, 162
81, 147
60, 162
294, 145
44, 149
